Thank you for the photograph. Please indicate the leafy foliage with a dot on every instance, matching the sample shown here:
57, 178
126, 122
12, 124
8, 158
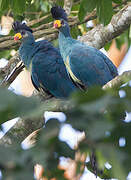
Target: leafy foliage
100, 115
15, 163
12, 106
103, 9
86, 6
123, 38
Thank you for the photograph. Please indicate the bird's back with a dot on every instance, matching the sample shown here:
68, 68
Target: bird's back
90, 65
49, 70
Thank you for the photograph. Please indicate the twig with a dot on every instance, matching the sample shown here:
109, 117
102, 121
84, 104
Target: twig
5, 38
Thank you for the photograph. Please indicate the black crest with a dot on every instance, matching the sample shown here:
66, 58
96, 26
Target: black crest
58, 13
17, 26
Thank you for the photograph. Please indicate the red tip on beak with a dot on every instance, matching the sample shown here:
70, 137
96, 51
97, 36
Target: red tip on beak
16, 38
55, 25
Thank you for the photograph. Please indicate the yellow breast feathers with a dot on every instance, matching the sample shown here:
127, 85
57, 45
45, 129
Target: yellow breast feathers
70, 71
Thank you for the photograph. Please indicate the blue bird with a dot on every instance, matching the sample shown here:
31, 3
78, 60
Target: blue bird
86, 65
48, 71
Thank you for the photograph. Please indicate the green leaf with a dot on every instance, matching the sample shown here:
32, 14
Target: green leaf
18, 6
91, 95
117, 1
75, 32
49, 149
123, 38
4, 4
115, 158
12, 105
16, 163
60, 2
101, 127
107, 46
104, 11
86, 6
0, 3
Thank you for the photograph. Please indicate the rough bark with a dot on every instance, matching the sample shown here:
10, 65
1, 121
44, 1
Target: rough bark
100, 35
10, 78
10, 66
22, 129
119, 80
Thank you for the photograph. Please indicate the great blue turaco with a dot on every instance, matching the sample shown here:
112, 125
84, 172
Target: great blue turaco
48, 71
86, 65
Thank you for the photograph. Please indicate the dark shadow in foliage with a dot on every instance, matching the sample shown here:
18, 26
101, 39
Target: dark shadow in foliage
101, 115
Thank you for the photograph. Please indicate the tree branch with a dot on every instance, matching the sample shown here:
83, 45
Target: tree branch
100, 35
22, 129
119, 80
45, 30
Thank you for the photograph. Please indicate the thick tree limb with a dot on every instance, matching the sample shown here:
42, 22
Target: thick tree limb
100, 35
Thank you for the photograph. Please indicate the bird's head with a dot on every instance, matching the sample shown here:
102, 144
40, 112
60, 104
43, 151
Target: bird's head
22, 31
60, 16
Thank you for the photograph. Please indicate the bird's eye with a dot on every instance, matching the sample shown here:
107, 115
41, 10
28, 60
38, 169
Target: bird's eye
62, 22
22, 32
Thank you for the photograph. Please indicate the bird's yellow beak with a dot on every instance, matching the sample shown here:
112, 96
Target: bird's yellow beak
17, 36
57, 24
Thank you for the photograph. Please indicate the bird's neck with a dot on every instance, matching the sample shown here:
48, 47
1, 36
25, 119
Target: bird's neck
26, 51
65, 43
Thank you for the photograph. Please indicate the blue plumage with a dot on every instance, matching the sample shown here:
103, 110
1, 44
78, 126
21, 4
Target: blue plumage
86, 65
47, 68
